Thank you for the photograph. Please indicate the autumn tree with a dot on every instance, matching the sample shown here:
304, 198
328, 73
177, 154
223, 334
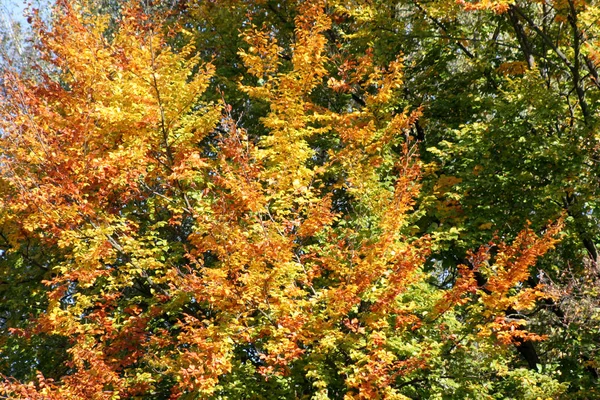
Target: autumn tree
508, 137
173, 228
509, 91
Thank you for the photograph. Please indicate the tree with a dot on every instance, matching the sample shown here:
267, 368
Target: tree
508, 135
175, 249
521, 146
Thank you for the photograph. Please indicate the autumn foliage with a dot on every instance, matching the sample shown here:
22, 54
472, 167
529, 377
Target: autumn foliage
184, 255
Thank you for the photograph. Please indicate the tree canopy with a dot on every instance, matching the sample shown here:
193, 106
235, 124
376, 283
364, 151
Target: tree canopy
316, 199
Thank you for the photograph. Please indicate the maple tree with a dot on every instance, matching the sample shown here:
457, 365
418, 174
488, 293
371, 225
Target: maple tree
224, 200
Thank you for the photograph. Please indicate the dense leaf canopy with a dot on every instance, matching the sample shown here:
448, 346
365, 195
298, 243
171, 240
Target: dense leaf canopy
315, 199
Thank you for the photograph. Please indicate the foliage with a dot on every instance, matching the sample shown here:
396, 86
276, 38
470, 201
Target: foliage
260, 199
